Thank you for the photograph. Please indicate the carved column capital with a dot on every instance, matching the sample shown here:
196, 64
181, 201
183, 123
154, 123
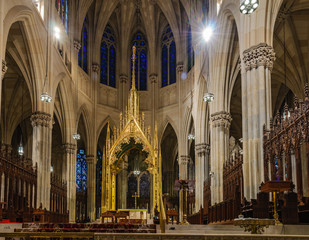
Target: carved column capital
183, 160
4, 67
221, 119
77, 45
153, 78
69, 148
179, 68
259, 55
202, 149
95, 68
40, 119
123, 78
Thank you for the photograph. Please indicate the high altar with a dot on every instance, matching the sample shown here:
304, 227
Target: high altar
131, 135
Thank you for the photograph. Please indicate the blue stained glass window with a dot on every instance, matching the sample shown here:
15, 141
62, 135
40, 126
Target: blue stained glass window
172, 63
190, 51
62, 7
140, 61
164, 66
103, 67
83, 52
81, 171
108, 58
112, 66
168, 55
277, 168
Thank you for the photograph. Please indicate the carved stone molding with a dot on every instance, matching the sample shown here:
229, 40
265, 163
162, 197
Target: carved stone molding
179, 68
123, 78
221, 119
183, 160
40, 119
153, 78
69, 148
202, 149
259, 55
95, 68
4, 67
77, 45
90, 159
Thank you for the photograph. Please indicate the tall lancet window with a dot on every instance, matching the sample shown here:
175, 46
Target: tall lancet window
190, 50
83, 52
108, 58
140, 62
168, 55
62, 7
81, 171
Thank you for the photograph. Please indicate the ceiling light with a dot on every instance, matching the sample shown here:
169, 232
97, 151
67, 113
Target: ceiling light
248, 6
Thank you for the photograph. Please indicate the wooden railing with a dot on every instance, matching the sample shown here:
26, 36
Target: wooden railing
18, 184
58, 200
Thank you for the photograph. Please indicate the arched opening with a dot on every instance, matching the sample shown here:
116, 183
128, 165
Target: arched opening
170, 168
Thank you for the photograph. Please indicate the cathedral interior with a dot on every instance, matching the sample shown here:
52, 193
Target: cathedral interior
195, 111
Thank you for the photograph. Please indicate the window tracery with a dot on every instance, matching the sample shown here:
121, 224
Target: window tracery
108, 58
140, 62
62, 7
168, 55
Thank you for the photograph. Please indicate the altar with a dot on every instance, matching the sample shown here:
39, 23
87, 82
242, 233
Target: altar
135, 213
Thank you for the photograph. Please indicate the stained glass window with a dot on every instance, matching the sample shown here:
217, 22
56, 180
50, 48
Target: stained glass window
108, 58
140, 61
99, 173
168, 58
190, 51
62, 7
83, 52
81, 171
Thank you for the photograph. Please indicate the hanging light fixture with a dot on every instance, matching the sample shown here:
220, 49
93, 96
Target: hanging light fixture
248, 6
208, 97
45, 97
191, 136
21, 147
76, 136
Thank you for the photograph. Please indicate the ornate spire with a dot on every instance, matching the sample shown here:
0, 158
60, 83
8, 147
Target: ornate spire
133, 98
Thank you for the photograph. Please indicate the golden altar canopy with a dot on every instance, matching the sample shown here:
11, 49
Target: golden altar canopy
130, 134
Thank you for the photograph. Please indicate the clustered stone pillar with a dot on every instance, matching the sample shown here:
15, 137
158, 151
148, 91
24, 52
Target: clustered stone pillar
91, 167
220, 128
41, 154
256, 111
183, 161
200, 164
69, 158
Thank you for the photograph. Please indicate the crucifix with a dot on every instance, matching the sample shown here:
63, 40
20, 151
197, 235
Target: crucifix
135, 197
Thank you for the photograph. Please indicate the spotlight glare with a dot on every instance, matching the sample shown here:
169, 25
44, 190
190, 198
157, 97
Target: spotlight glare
242, 7
207, 33
253, 1
255, 5
247, 2
248, 6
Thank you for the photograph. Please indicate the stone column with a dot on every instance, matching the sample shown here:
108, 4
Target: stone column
220, 126
200, 164
41, 154
91, 167
256, 111
183, 162
123, 184
69, 174
123, 91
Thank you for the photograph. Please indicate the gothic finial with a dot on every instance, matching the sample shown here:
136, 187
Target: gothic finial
295, 102
133, 67
306, 92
